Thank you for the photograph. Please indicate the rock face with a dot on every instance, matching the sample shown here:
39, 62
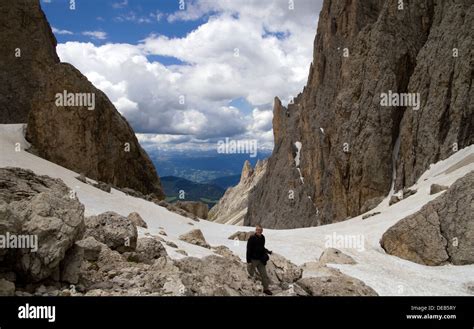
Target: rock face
232, 207
116, 231
441, 232
39, 211
336, 146
99, 142
196, 208
28, 50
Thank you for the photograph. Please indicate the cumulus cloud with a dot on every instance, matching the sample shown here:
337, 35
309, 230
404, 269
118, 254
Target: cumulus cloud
254, 50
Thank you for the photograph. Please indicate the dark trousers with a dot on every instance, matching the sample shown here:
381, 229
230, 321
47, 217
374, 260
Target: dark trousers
256, 264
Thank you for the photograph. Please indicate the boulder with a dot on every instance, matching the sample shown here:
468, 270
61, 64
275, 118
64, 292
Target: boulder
371, 204
442, 231
393, 199
281, 271
82, 179
116, 231
436, 188
241, 235
7, 288
371, 215
216, 276
149, 250
41, 209
182, 252
407, 192
225, 252
103, 186
91, 248
335, 256
173, 208
196, 208
195, 237
137, 220
340, 285
71, 265
317, 269
171, 244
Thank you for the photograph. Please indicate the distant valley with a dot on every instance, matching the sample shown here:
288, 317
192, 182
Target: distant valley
177, 188
210, 167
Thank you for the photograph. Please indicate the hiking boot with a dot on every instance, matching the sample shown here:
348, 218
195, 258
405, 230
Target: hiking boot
267, 292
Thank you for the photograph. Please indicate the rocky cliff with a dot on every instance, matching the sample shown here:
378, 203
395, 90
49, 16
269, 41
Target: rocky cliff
93, 138
338, 146
28, 49
232, 207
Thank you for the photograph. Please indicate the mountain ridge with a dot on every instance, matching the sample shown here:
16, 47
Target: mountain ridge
347, 140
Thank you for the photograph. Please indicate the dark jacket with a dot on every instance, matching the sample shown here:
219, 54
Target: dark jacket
256, 249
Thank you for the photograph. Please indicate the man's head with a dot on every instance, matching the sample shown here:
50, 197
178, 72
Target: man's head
258, 229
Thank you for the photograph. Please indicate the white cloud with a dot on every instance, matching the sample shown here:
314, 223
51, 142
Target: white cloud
261, 120
133, 17
99, 35
61, 32
238, 53
120, 4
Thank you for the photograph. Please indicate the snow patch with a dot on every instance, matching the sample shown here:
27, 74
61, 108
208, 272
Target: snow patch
298, 146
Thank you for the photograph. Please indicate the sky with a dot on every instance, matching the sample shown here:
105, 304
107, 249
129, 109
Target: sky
189, 73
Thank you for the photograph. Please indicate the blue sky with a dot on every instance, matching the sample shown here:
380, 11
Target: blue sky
189, 77
124, 21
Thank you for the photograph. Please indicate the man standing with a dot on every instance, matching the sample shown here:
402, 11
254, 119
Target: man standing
257, 257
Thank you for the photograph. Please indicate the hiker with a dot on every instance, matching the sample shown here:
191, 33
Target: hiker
257, 257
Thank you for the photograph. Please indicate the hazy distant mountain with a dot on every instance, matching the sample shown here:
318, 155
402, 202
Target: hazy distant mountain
225, 182
203, 166
206, 193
